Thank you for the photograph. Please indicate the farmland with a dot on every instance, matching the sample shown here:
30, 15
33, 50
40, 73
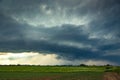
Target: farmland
51, 68
52, 72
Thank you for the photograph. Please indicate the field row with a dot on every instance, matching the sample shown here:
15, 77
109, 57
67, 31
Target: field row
50, 76
50, 69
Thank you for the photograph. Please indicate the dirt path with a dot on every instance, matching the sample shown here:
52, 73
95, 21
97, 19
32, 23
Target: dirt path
111, 76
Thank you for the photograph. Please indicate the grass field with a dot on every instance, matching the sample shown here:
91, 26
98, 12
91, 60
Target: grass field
52, 72
52, 68
50, 76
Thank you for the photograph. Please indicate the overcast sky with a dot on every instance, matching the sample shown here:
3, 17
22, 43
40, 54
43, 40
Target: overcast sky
65, 31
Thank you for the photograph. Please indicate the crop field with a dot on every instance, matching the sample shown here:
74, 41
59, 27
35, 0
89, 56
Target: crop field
52, 73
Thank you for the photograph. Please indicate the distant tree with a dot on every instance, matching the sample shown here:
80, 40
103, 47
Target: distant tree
108, 68
83, 65
108, 65
18, 65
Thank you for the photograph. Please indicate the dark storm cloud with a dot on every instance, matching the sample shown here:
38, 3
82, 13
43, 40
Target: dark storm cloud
0, 0
10, 29
65, 36
110, 46
4, 29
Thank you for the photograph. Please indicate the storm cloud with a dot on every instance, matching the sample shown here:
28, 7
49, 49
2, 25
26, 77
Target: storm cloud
71, 29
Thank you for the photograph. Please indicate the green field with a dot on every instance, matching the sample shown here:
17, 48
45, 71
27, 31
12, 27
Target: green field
53, 76
51, 68
52, 72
